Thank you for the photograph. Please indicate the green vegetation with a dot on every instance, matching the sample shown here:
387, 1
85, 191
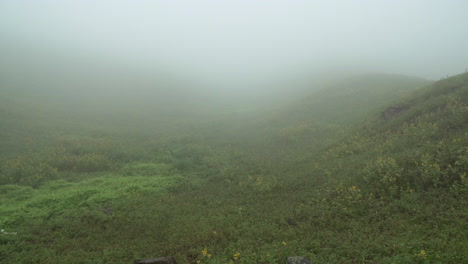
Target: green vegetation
327, 178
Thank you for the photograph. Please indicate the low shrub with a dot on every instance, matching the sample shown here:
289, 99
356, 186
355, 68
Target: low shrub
146, 169
383, 175
26, 172
87, 162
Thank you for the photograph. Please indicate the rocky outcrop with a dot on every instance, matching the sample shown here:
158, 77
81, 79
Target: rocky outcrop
394, 111
298, 260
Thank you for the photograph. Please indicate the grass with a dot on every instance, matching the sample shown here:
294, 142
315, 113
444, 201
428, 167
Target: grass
249, 190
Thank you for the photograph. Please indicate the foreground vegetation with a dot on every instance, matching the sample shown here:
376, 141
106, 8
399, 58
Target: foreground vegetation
327, 178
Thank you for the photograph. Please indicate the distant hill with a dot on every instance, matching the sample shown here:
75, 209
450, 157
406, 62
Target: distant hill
352, 99
328, 111
417, 142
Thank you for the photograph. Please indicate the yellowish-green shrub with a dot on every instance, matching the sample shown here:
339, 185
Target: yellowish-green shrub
87, 162
26, 172
261, 183
383, 175
146, 169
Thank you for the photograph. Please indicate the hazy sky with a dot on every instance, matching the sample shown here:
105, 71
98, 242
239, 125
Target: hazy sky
249, 40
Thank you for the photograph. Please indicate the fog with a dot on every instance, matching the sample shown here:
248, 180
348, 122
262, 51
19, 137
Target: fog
236, 46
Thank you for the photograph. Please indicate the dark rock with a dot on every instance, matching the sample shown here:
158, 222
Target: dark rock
107, 210
164, 260
394, 111
298, 260
291, 222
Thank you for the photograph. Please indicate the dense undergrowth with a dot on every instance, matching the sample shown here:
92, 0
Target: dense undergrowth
340, 187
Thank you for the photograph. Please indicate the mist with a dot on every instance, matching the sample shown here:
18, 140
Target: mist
233, 131
230, 48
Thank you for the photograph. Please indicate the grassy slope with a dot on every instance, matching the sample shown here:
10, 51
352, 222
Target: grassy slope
321, 118
381, 191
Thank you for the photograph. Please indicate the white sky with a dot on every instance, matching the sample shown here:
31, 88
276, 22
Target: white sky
250, 40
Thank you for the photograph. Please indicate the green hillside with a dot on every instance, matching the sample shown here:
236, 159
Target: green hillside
327, 114
369, 169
